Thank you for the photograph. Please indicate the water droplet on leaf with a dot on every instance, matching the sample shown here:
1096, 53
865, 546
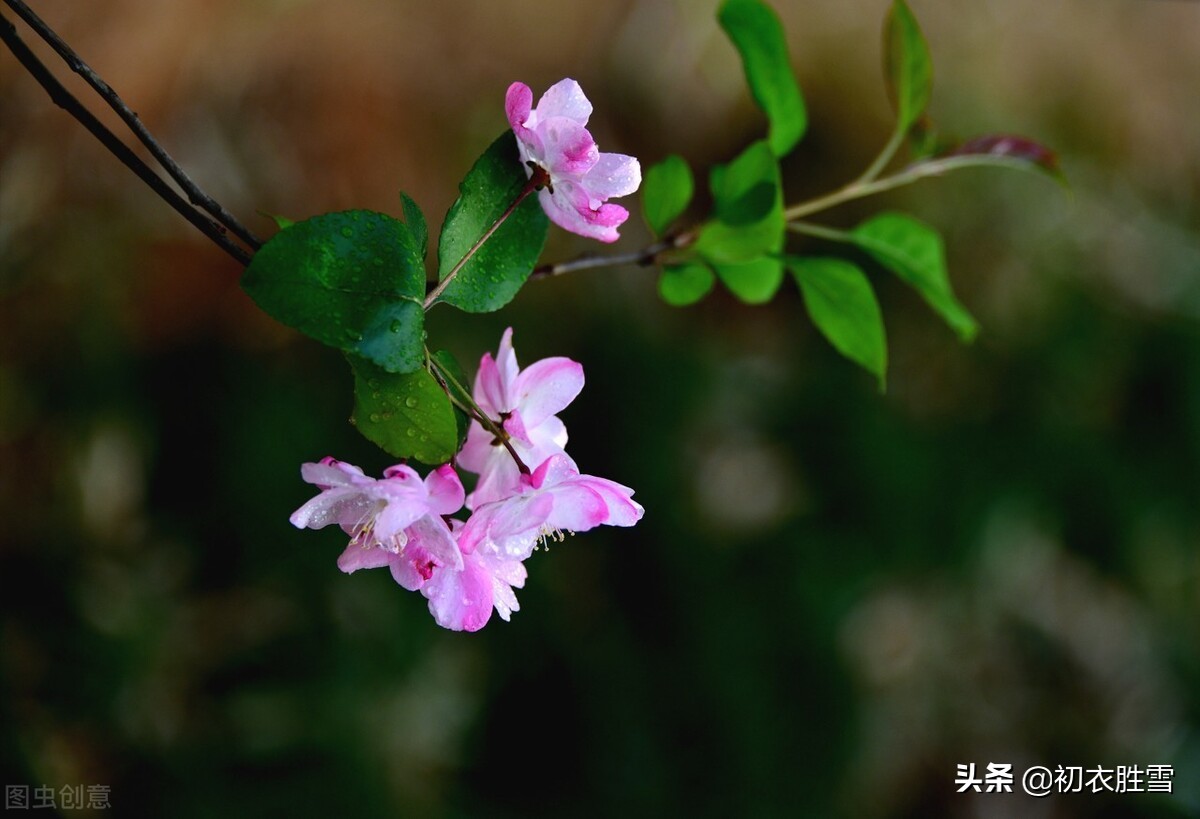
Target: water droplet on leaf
410, 402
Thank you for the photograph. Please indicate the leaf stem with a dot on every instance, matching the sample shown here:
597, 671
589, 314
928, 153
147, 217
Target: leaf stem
885, 156
534, 182
820, 231
861, 189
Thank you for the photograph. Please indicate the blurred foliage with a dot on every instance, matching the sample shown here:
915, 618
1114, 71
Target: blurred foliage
835, 596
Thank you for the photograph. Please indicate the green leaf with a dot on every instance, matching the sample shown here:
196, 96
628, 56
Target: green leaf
842, 305
755, 281
758, 36
416, 224
667, 190
456, 384
406, 414
684, 284
913, 251
352, 280
281, 222
492, 277
749, 209
907, 65
1007, 151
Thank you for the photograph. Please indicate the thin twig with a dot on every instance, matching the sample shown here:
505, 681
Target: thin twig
643, 258
446, 379
194, 194
63, 98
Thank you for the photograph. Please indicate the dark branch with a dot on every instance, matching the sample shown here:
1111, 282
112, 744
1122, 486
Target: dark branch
64, 99
194, 194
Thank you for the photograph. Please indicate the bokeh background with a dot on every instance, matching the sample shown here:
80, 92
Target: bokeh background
835, 597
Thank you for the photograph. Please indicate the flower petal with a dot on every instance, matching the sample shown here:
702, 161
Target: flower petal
563, 99
518, 102
567, 148
331, 472
446, 493
568, 207
356, 556
546, 387
506, 575
350, 507
612, 175
510, 527
577, 508
460, 600
493, 382
431, 535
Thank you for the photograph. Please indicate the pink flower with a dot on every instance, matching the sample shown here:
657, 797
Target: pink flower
553, 500
395, 522
553, 136
526, 402
463, 599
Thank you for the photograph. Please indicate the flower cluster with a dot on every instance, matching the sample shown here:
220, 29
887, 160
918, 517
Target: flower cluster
554, 137
467, 569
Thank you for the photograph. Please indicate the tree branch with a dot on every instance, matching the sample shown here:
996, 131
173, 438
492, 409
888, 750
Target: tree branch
643, 258
65, 100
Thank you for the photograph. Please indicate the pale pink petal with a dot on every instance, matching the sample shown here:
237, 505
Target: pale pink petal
506, 364
356, 556
349, 507
547, 438
477, 449
613, 175
569, 209
403, 474
432, 536
499, 476
546, 387
413, 568
460, 600
397, 516
514, 425
511, 527
331, 472
577, 508
506, 575
553, 471
563, 99
567, 148
622, 510
446, 492
489, 391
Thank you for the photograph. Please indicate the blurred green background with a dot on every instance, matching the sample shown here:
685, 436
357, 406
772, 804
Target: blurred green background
835, 597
